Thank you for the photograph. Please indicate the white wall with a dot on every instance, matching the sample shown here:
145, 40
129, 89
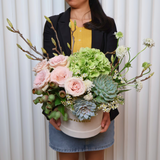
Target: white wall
24, 130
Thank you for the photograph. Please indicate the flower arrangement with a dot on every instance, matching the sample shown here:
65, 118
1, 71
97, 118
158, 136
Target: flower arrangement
84, 82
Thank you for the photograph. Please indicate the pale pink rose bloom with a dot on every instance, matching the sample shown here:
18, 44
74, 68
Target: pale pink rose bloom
42, 78
41, 66
60, 74
74, 86
58, 61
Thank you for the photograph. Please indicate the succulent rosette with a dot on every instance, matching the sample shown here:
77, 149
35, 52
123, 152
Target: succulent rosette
83, 109
89, 61
105, 89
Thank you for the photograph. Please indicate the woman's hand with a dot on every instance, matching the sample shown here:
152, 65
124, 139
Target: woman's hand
56, 124
105, 122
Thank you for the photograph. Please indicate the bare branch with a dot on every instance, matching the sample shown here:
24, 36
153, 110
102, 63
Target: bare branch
32, 47
52, 27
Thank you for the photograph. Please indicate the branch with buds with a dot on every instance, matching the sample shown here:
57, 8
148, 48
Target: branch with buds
53, 41
29, 55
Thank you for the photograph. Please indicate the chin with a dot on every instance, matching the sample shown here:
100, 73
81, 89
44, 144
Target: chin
75, 3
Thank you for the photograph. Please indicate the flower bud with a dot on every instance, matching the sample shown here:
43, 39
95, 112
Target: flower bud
52, 114
43, 50
68, 45
29, 42
34, 91
49, 107
70, 25
29, 57
51, 97
53, 85
151, 74
62, 94
9, 29
19, 46
36, 100
127, 65
53, 41
57, 115
9, 22
47, 19
146, 65
40, 100
45, 98
47, 111
39, 92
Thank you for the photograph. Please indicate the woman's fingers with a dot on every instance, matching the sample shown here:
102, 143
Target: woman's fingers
56, 124
105, 122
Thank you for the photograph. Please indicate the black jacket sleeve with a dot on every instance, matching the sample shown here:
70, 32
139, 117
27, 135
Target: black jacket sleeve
111, 46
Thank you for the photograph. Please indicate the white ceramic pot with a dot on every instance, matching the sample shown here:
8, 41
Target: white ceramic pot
81, 129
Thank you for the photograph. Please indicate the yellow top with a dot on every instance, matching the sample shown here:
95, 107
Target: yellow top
83, 37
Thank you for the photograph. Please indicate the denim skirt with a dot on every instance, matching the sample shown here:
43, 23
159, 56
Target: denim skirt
63, 143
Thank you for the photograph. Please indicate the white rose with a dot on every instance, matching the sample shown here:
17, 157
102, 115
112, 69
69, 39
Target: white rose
121, 51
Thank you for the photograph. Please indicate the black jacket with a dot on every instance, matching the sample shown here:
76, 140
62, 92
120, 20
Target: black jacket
105, 41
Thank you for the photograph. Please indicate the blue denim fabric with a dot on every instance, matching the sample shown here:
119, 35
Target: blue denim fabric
64, 143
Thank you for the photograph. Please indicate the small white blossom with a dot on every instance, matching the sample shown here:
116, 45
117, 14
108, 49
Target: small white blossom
121, 51
106, 109
139, 85
78, 72
115, 76
88, 97
84, 75
88, 84
148, 42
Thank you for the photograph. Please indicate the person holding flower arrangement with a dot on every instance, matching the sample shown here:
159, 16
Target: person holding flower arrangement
94, 30
78, 80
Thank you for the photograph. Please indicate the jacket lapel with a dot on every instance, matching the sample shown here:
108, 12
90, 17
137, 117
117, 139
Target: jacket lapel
63, 26
97, 38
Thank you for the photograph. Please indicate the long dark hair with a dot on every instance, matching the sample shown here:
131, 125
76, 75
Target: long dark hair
99, 19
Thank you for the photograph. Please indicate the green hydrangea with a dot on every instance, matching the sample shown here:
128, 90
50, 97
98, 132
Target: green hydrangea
89, 61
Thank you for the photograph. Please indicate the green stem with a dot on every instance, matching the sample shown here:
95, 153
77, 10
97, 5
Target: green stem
125, 73
138, 54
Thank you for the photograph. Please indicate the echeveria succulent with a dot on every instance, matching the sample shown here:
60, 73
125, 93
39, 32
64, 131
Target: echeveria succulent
105, 89
91, 62
83, 109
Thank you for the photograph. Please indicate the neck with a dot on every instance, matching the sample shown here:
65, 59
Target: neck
83, 12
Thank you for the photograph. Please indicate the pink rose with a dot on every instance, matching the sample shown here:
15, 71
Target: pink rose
74, 86
42, 78
60, 74
40, 66
58, 61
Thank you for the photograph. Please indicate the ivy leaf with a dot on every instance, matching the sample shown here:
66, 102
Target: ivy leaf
57, 101
61, 109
